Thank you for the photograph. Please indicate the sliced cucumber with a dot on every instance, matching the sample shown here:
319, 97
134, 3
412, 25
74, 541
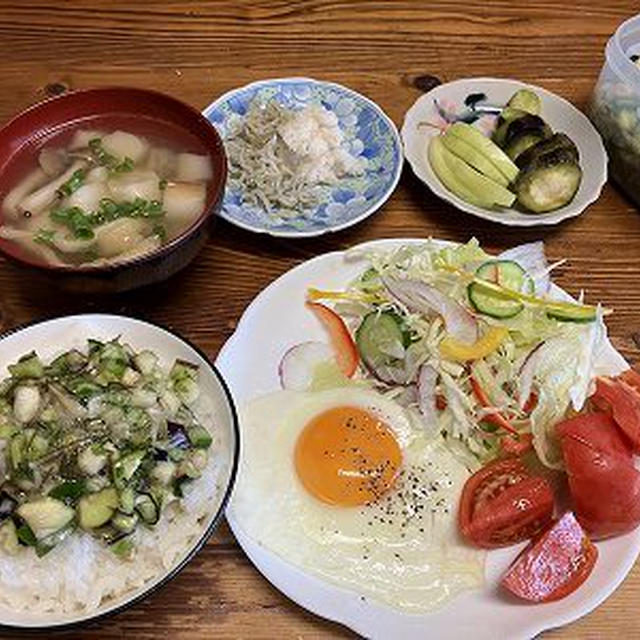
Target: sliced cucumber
507, 274
571, 313
147, 509
9, 542
126, 466
127, 500
54, 539
124, 522
199, 437
45, 515
96, 509
380, 339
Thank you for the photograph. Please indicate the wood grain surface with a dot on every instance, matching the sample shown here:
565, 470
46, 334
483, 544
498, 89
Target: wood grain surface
196, 50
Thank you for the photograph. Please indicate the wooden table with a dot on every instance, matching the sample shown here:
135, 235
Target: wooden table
196, 50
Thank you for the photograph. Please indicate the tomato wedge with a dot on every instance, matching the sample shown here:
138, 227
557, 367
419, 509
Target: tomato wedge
622, 396
502, 504
554, 565
604, 484
341, 340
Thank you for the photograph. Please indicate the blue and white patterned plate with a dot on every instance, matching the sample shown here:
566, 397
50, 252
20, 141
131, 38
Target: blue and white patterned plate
368, 131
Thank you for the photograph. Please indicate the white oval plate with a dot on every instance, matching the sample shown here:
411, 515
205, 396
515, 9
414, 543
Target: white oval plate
368, 132
249, 362
52, 337
561, 116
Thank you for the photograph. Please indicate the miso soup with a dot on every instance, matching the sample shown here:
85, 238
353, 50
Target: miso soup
94, 195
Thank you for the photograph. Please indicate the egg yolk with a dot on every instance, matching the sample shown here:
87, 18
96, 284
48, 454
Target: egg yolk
346, 456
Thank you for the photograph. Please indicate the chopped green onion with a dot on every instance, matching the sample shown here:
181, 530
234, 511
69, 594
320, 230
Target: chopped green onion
72, 184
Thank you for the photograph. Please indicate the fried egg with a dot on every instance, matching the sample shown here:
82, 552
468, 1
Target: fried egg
346, 485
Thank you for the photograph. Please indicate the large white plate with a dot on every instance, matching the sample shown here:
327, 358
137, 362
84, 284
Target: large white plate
274, 321
561, 116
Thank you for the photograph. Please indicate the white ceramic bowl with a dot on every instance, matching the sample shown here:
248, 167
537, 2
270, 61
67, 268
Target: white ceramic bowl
52, 337
561, 116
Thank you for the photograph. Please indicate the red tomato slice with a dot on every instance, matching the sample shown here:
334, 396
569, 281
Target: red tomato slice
341, 340
554, 565
631, 377
604, 484
503, 504
624, 400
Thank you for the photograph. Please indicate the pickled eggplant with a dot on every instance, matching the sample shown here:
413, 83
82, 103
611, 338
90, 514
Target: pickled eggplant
549, 183
556, 143
523, 143
527, 124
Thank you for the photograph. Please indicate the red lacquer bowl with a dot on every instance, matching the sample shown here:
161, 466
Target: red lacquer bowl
138, 110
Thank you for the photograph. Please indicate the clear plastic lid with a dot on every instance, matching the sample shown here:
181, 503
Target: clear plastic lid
624, 43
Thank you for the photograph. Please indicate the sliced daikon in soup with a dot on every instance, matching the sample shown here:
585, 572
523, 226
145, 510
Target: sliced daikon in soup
122, 144
142, 183
162, 161
53, 161
89, 196
82, 137
120, 235
183, 202
191, 167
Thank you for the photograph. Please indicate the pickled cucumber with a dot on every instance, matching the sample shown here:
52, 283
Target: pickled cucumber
448, 178
476, 139
526, 100
482, 187
475, 158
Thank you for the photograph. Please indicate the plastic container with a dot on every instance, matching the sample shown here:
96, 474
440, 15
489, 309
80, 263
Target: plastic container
615, 106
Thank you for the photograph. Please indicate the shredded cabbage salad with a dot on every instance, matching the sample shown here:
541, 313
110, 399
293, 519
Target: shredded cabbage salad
541, 369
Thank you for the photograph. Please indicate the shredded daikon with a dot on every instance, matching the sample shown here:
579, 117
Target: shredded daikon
285, 161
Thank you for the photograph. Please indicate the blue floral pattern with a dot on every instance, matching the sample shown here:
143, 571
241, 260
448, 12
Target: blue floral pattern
368, 132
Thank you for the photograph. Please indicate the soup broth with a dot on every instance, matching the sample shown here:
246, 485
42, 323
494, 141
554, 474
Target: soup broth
94, 194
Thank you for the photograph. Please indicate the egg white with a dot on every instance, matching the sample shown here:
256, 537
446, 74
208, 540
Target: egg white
403, 550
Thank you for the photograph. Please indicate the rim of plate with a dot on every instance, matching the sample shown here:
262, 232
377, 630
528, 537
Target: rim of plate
527, 220
269, 563
216, 517
370, 211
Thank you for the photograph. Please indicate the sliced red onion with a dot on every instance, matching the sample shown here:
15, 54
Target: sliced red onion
425, 298
527, 373
389, 374
298, 363
426, 388
532, 259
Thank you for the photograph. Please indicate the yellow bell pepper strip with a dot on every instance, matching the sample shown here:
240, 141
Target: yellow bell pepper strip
355, 296
452, 349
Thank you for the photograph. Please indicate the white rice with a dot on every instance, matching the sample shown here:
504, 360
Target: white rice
81, 573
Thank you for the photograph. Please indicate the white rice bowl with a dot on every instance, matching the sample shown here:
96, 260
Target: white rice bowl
81, 579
